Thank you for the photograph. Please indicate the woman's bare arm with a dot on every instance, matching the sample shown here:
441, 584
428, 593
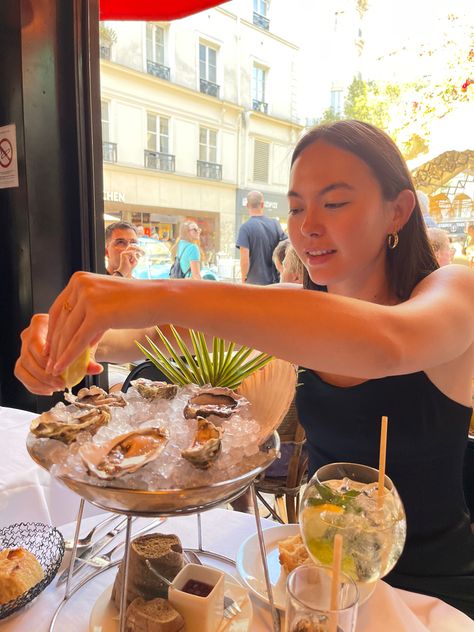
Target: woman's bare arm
318, 330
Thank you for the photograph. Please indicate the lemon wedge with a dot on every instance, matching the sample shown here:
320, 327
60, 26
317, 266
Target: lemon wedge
76, 371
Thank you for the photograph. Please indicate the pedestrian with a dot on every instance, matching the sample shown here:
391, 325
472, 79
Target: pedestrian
186, 252
122, 249
256, 240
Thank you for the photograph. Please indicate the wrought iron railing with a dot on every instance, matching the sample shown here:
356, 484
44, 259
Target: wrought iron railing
261, 21
109, 152
259, 106
157, 70
159, 160
210, 170
208, 87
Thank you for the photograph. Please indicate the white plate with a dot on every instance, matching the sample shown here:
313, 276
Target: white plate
105, 617
249, 566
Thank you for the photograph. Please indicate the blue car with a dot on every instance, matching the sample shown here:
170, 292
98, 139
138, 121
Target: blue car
156, 262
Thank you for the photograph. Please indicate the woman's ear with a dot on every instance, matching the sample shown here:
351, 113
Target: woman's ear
403, 206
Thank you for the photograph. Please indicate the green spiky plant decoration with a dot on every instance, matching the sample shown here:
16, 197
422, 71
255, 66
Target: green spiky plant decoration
223, 368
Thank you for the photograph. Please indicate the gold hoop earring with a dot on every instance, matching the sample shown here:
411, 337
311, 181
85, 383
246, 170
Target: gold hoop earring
392, 240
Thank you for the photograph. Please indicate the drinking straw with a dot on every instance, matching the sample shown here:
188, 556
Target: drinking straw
335, 582
382, 456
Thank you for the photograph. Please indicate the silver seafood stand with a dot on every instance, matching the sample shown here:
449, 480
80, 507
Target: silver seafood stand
162, 504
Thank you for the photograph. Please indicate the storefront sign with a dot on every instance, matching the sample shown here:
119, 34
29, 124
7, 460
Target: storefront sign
8, 157
274, 204
114, 196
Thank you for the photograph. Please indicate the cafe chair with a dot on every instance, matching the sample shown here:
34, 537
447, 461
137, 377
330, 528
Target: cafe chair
284, 479
146, 370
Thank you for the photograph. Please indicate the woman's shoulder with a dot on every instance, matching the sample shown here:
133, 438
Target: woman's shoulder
452, 278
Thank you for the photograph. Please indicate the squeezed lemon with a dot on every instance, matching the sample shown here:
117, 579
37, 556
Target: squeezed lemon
76, 371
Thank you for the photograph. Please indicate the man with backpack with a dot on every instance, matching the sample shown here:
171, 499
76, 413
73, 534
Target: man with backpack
256, 240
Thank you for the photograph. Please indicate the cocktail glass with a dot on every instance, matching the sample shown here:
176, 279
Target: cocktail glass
343, 498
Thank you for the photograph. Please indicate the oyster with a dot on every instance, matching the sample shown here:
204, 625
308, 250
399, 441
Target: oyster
206, 445
64, 425
154, 390
95, 397
217, 400
124, 454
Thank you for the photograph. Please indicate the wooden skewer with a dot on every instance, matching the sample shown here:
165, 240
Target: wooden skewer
382, 457
335, 583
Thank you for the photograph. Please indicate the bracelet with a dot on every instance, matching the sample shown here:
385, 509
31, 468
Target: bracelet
117, 273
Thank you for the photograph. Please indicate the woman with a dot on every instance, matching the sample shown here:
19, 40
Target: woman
441, 245
380, 329
186, 249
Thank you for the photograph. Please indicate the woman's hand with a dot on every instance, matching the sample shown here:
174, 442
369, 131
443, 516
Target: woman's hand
30, 367
89, 306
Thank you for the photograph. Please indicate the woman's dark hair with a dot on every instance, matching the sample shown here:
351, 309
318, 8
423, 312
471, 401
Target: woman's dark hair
413, 258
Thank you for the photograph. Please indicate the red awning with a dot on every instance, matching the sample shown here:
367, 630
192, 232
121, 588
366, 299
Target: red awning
152, 9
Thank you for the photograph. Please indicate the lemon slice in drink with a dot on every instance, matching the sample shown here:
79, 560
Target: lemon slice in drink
76, 371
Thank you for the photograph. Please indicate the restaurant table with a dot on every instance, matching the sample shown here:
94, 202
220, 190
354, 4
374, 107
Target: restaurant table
27, 491
29, 494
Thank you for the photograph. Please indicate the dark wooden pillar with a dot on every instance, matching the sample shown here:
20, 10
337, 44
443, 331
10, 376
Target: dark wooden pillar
52, 224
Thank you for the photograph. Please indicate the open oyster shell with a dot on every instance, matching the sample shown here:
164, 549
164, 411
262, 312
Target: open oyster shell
62, 424
206, 445
213, 400
95, 397
270, 392
124, 454
154, 390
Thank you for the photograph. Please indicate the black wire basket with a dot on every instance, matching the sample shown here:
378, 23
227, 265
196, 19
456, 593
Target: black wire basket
46, 543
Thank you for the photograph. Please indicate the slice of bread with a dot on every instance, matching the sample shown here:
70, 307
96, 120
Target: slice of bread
156, 615
19, 571
293, 552
165, 554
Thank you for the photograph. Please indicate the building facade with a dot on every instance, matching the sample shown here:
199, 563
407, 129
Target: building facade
195, 113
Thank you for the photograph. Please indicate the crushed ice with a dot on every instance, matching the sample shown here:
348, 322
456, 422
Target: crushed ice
240, 451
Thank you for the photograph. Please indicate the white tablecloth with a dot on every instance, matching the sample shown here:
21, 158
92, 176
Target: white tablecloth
28, 494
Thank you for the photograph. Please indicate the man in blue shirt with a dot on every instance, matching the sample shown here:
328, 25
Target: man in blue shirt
256, 241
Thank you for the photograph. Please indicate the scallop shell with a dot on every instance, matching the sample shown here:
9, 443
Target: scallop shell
154, 390
270, 392
124, 454
213, 400
59, 423
206, 445
95, 397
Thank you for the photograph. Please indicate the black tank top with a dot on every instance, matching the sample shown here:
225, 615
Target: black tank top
427, 438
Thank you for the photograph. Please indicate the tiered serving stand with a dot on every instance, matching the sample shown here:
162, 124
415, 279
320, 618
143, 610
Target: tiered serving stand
162, 503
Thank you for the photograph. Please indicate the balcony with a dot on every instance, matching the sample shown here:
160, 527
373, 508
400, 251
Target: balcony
207, 87
159, 160
259, 106
109, 152
157, 70
261, 21
210, 170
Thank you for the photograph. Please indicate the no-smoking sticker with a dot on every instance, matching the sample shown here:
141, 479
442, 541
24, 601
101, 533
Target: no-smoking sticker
8, 157
6, 152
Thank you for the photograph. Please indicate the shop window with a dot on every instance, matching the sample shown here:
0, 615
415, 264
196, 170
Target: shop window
208, 70
261, 161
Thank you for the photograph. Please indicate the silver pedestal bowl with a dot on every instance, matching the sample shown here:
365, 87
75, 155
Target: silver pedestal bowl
164, 502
